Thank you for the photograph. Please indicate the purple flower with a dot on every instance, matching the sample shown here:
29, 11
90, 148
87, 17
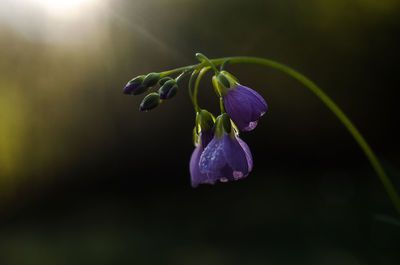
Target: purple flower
196, 176
226, 157
203, 135
245, 106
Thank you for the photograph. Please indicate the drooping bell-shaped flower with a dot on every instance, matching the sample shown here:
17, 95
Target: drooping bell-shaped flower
226, 157
202, 136
244, 105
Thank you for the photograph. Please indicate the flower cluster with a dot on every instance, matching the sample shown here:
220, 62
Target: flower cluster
141, 84
219, 154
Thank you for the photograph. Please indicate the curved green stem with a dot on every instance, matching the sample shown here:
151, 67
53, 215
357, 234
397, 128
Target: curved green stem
196, 86
190, 88
222, 67
313, 88
204, 59
339, 114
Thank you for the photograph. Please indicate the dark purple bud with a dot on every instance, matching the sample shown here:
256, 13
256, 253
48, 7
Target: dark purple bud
168, 90
150, 102
134, 86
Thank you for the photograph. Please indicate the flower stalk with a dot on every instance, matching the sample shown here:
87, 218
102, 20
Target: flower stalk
254, 114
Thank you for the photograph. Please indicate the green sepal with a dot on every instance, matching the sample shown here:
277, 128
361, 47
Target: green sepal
232, 79
172, 92
137, 80
204, 120
150, 102
151, 80
196, 138
222, 125
141, 89
164, 79
223, 82
168, 90
216, 86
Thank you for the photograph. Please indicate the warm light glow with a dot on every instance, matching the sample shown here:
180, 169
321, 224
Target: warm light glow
55, 21
60, 7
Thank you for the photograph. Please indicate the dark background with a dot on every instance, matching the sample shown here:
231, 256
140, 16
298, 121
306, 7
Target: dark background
85, 178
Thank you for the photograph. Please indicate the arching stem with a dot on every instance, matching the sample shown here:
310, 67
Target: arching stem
336, 110
196, 86
206, 63
190, 89
202, 58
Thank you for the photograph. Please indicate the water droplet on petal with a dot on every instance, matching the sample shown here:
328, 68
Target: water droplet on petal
237, 175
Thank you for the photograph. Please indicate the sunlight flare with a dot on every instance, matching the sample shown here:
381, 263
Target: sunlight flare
62, 7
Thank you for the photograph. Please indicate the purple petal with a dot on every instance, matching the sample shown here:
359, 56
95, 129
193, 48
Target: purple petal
245, 106
238, 107
224, 174
250, 126
224, 159
206, 137
247, 152
196, 176
258, 104
212, 159
235, 155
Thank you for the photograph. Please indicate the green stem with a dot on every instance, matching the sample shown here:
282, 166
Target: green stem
184, 73
336, 110
222, 67
202, 58
221, 105
180, 69
190, 88
321, 95
196, 86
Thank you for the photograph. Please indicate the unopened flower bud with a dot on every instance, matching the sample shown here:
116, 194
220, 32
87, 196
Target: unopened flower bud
134, 86
150, 102
168, 90
151, 80
164, 79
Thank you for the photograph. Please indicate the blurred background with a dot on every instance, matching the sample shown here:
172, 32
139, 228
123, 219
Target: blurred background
85, 178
